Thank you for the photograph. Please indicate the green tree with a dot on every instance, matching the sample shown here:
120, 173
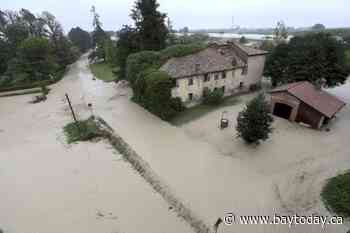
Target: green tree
126, 45
280, 32
318, 27
80, 39
243, 40
35, 59
315, 57
254, 122
150, 24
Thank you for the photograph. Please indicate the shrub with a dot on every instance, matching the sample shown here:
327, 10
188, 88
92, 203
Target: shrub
254, 122
255, 87
138, 62
336, 194
157, 94
82, 131
213, 97
45, 90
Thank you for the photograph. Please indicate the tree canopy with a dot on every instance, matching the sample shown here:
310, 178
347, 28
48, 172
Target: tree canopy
150, 25
80, 39
315, 57
254, 122
32, 47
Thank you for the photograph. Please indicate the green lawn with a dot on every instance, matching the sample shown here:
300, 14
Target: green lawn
336, 194
193, 113
103, 71
347, 53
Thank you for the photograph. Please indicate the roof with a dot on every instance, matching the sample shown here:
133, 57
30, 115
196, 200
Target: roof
320, 100
208, 60
249, 50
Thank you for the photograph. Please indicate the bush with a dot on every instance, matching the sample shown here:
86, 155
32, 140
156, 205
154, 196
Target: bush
254, 122
213, 97
45, 90
138, 62
255, 87
336, 194
82, 131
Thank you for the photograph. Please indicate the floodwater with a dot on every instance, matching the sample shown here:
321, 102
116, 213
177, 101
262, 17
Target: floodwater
50, 187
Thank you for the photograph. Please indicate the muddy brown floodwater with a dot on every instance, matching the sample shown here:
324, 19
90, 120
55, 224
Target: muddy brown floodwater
50, 187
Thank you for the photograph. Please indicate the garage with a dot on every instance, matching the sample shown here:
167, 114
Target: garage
282, 110
303, 102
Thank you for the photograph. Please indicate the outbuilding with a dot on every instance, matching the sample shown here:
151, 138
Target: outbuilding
303, 102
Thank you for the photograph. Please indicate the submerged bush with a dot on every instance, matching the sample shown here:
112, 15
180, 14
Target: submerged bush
213, 97
336, 194
82, 131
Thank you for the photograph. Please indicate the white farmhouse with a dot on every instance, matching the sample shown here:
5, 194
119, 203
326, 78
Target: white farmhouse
231, 67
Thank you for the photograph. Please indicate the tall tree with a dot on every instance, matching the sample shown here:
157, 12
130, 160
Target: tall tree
280, 32
80, 38
254, 122
316, 57
150, 24
126, 45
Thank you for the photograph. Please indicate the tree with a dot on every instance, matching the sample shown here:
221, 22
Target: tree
80, 39
126, 45
280, 32
150, 25
243, 40
254, 122
318, 27
314, 58
35, 59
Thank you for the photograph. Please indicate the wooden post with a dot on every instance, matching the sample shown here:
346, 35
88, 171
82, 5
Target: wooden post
71, 108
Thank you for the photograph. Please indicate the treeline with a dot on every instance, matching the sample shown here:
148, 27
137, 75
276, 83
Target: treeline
33, 48
315, 57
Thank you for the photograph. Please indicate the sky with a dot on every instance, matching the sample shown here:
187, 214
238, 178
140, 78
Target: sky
196, 14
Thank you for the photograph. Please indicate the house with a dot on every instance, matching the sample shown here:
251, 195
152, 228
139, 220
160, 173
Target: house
303, 102
228, 66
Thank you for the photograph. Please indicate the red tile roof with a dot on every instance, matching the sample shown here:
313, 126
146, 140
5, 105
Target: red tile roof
320, 100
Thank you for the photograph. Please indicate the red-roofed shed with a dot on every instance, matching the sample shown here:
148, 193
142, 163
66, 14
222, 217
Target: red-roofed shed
303, 102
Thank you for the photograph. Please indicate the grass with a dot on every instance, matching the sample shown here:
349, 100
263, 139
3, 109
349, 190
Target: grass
82, 131
336, 194
22, 93
104, 71
196, 112
347, 53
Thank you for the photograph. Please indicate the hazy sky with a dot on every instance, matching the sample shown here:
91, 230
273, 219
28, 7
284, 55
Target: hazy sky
196, 14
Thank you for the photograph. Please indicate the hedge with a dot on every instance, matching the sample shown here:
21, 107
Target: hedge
58, 76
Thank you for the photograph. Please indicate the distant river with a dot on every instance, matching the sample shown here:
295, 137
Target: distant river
235, 35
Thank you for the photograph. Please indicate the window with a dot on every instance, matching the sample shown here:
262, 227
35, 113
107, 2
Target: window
241, 84
177, 83
223, 75
206, 78
190, 82
205, 91
197, 67
190, 96
245, 70
216, 76
223, 89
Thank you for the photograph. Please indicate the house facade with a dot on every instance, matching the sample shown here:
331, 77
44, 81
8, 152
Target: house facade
231, 67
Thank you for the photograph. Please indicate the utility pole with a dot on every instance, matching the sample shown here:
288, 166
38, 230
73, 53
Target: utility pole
71, 109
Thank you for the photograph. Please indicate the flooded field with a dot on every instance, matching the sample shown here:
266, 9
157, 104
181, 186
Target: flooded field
51, 187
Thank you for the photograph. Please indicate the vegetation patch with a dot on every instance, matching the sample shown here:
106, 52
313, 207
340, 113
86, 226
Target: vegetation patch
347, 53
181, 50
214, 97
196, 112
336, 194
104, 71
82, 130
